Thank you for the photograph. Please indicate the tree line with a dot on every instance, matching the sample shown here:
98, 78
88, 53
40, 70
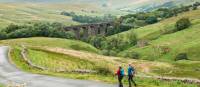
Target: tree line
89, 19
115, 44
140, 19
145, 18
40, 29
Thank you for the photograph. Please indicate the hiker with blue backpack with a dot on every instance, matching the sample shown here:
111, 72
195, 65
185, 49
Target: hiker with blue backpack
120, 74
131, 74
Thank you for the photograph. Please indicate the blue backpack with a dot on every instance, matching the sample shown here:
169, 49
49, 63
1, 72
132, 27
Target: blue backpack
122, 72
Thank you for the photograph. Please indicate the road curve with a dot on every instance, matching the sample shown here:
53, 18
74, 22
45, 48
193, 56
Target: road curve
9, 72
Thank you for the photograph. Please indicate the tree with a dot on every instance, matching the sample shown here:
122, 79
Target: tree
67, 13
129, 20
132, 38
97, 41
183, 23
151, 20
37, 29
132, 54
181, 56
194, 7
196, 4
3, 35
141, 16
11, 28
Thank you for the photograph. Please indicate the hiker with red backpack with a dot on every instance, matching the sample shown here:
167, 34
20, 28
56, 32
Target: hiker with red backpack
120, 74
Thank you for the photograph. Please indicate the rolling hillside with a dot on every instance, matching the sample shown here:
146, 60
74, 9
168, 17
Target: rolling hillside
27, 12
51, 42
79, 60
179, 42
61, 59
149, 5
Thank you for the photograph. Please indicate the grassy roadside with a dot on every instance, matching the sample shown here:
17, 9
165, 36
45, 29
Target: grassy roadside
143, 82
2, 85
181, 69
51, 42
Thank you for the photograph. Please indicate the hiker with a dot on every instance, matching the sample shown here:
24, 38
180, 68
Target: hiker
120, 74
131, 74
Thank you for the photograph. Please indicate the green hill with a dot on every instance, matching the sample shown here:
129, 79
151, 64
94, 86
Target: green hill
50, 42
156, 56
149, 5
61, 58
186, 41
25, 13
160, 36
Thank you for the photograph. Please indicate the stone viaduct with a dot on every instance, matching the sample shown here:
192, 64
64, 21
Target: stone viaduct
87, 30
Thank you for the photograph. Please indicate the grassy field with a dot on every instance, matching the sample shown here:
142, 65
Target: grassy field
24, 13
1, 85
87, 54
69, 63
183, 41
51, 60
51, 42
186, 41
68, 55
153, 31
181, 69
27, 13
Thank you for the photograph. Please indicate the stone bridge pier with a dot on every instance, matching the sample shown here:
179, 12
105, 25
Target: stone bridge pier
85, 31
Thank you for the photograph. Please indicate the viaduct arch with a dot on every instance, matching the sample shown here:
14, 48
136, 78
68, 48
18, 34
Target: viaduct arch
87, 30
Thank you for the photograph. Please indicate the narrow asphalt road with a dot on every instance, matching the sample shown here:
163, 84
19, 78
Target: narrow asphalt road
9, 72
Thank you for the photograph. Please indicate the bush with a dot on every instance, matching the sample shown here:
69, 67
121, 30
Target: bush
103, 71
151, 20
67, 13
97, 41
3, 35
181, 56
133, 55
183, 23
105, 52
11, 28
112, 53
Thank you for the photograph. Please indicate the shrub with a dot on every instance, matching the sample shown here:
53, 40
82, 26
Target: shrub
80, 47
105, 52
67, 13
151, 20
11, 28
194, 8
133, 55
97, 41
181, 56
112, 53
3, 35
132, 38
183, 23
103, 71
